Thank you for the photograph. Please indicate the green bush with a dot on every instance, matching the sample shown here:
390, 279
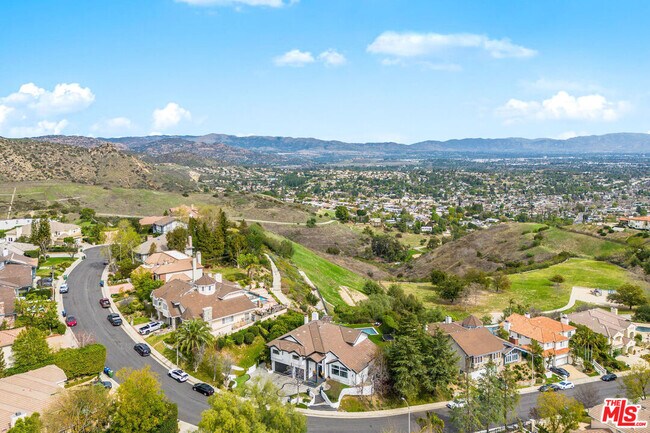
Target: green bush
85, 361
249, 337
238, 339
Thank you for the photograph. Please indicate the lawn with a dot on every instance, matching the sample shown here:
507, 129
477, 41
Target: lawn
327, 276
59, 264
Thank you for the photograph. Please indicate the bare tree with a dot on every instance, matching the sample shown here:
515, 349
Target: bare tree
378, 375
588, 395
85, 338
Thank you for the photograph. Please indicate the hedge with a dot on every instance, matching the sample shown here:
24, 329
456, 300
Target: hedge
85, 361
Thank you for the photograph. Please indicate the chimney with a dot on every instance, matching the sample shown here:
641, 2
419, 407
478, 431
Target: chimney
218, 277
198, 257
306, 320
16, 416
448, 319
527, 315
194, 269
614, 310
207, 314
506, 326
314, 315
189, 242
564, 319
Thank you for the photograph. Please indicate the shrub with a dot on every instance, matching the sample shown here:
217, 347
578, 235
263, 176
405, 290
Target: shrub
85, 361
333, 250
238, 339
249, 337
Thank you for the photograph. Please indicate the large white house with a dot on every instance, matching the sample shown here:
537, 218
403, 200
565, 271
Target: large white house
321, 350
639, 223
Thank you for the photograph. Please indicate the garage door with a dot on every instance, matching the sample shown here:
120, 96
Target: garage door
282, 368
561, 360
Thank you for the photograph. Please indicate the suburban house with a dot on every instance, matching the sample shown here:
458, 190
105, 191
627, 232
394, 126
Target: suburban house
552, 335
58, 232
639, 223
142, 251
170, 265
23, 394
223, 305
475, 345
321, 350
161, 224
16, 278
618, 330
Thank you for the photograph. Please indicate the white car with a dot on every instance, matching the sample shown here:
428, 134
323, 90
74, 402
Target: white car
63, 288
456, 404
565, 384
150, 327
178, 375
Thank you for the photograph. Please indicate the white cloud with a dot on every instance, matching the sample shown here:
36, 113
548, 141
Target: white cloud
332, 57
562, 105
116, 125
33, 110
169, 116
267, 3
411, 44
295, 58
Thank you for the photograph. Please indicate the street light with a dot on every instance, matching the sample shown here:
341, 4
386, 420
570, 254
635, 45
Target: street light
409, 413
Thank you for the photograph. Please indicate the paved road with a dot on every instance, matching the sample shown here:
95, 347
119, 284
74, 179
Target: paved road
82, 302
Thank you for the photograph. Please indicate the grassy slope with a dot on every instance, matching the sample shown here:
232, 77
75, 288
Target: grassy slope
556, 241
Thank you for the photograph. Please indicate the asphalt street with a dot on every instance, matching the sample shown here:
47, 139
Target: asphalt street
82, 301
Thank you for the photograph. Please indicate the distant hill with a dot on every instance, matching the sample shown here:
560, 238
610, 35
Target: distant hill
104, 164
266, 150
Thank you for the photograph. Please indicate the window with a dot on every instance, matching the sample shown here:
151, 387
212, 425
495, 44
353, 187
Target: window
228, 319
275, 351
295, 357
478, 360
512, 357
339, 371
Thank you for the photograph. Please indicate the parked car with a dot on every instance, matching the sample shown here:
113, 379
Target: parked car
105, 383
548, 387
609, 377
71, 321
142, 349
63, 288
105, 303
45, 282
149, 328
204, 389
565, 384
458, 403
560, 371
115, 319
178, 375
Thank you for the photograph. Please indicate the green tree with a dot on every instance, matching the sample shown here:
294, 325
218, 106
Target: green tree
144, 284
79, 410
558, 412
489, 396
70, 244
342, 213
311, 222
41, 235
192, 337
30, 424
87, 214
406, 363
260, 411
452, 288
628, 294
30, 350
177, 239
3, 364
440, 362
40, 313
140, 405
467, 416
124, 241
642, 313
500, 282
637, 383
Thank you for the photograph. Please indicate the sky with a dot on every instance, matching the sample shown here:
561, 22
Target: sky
352, 70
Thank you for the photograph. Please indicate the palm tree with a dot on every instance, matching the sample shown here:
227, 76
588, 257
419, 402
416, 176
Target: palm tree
192, 337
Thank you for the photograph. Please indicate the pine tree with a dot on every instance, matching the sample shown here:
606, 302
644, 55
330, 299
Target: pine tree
3, 364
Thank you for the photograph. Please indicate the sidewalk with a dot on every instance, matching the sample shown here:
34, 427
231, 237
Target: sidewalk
277, 284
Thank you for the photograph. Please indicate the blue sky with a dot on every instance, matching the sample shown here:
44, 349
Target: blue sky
356, 70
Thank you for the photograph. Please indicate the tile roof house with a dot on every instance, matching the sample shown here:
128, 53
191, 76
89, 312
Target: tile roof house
475, 345
618, 330
552, 335
23, 394
169, 265
222, 304
320, 350
640, 222
58, 232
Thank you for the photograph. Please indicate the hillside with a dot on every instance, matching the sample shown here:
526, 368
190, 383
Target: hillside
494, 248
30, 160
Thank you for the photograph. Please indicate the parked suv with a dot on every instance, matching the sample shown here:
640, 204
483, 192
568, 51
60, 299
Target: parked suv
149, 328
142, 349
63, 288
203, 388
115, 319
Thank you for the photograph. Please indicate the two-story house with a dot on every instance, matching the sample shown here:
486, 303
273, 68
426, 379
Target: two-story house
551, 335
321, 350
58, 232
618, 330
222, 304
475, 345
170, 265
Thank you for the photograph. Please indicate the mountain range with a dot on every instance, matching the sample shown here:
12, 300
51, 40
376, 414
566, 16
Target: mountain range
268, 150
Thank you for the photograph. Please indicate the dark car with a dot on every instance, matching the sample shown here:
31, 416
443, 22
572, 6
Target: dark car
115, 319
45, 282
104, 302
560, 371
549, 387
105, 383
142, 349
203, 388
71, 321
608, 377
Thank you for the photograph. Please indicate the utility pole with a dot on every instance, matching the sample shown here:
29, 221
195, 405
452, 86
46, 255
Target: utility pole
409, 414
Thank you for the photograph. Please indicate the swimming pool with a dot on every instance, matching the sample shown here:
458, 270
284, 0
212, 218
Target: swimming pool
369, 331
643, 328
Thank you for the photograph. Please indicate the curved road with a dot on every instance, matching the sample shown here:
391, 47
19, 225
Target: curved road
82, 301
